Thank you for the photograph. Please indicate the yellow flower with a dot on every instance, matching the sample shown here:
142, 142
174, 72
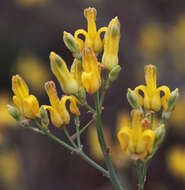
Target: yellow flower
92, 36
176, 161
152, 99
58, 111
111, 47
137, 139
66, 79
76, 70
27, 104
91, 78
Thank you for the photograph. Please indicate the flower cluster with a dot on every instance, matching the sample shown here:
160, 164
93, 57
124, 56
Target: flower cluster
145, 133
83, 76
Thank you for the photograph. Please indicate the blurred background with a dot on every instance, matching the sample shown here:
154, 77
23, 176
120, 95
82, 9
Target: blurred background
152, 32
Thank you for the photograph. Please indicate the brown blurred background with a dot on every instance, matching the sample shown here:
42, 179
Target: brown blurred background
152, 32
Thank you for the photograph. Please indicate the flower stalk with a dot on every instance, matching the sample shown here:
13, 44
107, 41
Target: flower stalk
77, 150
113, 177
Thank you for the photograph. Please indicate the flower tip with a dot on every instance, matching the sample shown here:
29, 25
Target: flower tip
150, 67
52, 55
65, 34
91, 11
49, 85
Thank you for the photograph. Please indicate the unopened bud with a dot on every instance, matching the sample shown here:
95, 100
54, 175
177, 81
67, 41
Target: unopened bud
160, 134
173, 100
166, 115
65, 78
113, 75
111, 46
14, 112
71, 44
81, 95
133, 99
44, 115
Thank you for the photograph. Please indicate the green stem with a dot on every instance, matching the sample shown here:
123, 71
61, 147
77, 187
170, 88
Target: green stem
69, 137
141, 168
113, 176
104, 88
89, 108
77, 123
72, 149
27, 126
86, 105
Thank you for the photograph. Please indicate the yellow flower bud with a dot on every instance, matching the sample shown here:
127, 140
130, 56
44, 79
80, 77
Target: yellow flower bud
27, 104
65, 78
111, 47
137, 139
133, 99
114, 73
71, 44
91, 78
92, 36
14, 112
152, 99
58, 111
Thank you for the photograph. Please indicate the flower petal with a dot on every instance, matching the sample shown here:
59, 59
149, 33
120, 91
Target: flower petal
165, 98
124, 136
147, 140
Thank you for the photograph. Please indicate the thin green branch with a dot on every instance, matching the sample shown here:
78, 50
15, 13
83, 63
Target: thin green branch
113, 176
74, 136
104, 89
72, 149
27, 126
141, 168
69, 137
77, 123
89, 108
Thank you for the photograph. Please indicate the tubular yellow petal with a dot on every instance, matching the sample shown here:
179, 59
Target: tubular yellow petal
111, 46
136, 127
165, 98
147, 139
156, 101
143, 89
56, 118
31, 107
78, 40
52, 94
150, 77
102, 29
65, 78
19, 87
34, 104
91, 78
90, 15
91, 82
73, 104
136, 118
76, 70
124, 137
